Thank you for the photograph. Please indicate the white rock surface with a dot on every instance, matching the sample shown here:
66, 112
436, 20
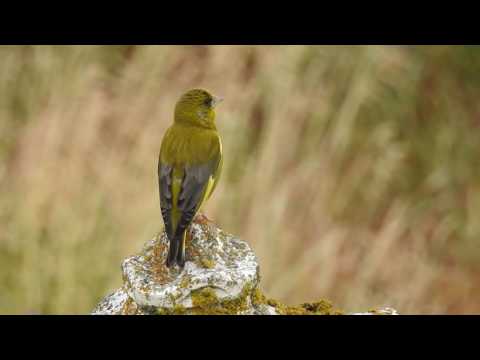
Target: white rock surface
216, 262
384, 311
220, 261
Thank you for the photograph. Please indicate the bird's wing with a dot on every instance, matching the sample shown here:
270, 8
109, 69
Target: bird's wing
194, 191
217, 173
184, 188
166, 197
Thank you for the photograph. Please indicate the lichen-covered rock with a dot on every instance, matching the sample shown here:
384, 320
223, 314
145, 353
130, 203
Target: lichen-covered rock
221, 276
215, 260
118, 303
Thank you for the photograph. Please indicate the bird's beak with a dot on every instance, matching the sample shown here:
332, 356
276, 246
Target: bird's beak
216, 100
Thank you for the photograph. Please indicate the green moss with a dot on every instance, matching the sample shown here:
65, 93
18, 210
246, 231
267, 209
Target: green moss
258, 298
321, 307
176, 310
206, 302
185, 282
207, 263
204, 297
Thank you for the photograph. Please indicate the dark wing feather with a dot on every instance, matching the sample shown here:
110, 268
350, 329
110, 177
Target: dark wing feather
165, 187
193, 190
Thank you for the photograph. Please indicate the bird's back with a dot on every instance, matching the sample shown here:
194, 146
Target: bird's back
194, 157
189, 145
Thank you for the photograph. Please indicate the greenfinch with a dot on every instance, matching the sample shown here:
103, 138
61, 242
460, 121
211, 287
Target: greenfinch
189, 167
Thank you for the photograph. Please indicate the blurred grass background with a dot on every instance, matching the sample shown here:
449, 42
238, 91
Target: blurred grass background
353, 171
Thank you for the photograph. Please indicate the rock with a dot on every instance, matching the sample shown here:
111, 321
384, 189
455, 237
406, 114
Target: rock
221, 276
117, 303
384, 311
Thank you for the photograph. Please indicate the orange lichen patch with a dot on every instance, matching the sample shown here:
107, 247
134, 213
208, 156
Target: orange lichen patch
191, 253
130, 307
161, 273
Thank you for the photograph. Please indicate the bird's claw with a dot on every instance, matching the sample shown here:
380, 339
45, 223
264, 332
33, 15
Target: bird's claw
202, 219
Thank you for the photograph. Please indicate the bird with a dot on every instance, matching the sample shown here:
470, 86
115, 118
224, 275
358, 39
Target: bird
189, 167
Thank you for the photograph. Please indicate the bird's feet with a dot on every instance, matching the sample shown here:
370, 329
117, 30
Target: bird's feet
202, 219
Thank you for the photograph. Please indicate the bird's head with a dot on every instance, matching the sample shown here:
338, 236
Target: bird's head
197, 107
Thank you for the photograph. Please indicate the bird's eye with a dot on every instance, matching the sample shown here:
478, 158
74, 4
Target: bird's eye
208, 101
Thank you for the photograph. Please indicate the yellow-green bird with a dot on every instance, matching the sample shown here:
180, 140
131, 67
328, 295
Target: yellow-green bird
189, 167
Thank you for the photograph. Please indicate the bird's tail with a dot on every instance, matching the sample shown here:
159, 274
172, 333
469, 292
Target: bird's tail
181, 251
176, 251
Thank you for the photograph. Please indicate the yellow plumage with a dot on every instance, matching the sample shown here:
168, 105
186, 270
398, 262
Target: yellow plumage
189, 167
